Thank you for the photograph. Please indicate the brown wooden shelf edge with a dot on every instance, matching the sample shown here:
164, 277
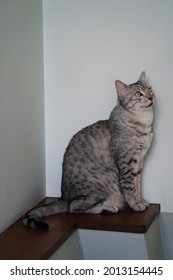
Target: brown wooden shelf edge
18, 242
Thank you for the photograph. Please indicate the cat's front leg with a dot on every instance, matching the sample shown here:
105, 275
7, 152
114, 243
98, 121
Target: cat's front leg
131, 185
138, 205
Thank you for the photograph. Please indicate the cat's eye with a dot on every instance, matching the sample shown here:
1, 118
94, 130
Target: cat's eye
150, 90
138, 94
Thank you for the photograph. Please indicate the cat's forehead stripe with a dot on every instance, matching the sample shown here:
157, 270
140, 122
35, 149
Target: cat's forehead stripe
138, 85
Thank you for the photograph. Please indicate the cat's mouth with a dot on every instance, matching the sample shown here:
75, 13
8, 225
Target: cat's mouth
151, 104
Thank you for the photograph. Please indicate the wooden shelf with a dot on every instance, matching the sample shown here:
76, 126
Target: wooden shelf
18, 242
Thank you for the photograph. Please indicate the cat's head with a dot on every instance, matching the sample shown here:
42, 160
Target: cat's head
135, 97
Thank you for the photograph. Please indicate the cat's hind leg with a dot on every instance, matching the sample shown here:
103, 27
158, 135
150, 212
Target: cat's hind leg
83, 207
111, 205
100, 193
84, 204
102, 208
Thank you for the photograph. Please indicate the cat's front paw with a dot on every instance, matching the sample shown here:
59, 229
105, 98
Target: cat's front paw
140, 205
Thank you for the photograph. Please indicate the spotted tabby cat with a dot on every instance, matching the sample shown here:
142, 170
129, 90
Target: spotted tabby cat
103, 162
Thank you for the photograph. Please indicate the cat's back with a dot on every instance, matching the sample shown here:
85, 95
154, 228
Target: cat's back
88, 145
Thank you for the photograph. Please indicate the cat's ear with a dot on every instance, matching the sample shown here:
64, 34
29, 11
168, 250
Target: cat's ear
142, 77
121, 89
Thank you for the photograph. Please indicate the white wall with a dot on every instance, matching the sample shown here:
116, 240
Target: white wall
22, 170
88, 44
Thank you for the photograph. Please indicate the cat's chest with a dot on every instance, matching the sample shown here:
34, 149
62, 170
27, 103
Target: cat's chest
143, 143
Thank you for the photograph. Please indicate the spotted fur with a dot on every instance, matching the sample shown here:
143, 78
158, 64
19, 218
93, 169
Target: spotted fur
103, 162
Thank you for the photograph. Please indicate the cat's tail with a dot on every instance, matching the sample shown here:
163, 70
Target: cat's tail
32, 218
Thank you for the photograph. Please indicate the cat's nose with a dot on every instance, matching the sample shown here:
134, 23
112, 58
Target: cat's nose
150, 97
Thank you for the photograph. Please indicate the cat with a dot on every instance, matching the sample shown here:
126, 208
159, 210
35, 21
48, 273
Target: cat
103, 162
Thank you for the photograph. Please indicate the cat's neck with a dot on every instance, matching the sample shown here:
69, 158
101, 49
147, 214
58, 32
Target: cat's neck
144, 117
139, 120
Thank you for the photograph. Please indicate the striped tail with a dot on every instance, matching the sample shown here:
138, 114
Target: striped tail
32, 218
